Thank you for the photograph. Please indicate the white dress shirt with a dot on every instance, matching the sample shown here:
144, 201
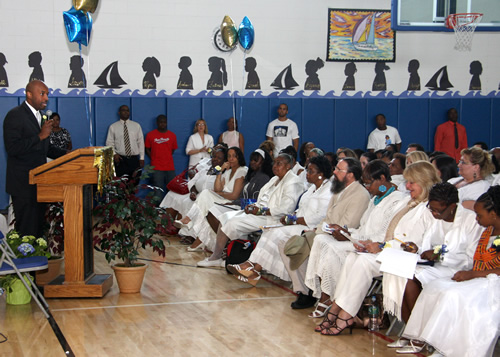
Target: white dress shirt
115, 138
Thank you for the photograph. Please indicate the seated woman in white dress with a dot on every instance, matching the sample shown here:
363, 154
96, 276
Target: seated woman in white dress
228, 185
409, 224
200, 143
312, 209
474, 166
460, 316
455, 228
328, 253
277, 198
259, 173
232, 137
178, 205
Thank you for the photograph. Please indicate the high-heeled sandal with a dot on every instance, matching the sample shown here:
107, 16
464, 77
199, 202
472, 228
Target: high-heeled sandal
252, 281
320, 313
329, 332
237, 270
411, 348
326, 323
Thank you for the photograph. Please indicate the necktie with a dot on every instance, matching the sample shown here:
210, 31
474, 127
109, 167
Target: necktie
39, 119
126, 140
456, 136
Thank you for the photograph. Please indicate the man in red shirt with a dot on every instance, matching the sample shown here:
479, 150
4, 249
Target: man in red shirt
160, 146
451, 136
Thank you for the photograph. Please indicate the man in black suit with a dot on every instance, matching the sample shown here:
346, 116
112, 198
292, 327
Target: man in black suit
25, 133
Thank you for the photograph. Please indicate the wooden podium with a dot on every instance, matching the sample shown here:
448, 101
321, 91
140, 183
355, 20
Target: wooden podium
69, 179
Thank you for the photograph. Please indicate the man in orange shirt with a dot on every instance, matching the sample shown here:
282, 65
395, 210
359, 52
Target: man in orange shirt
451, 136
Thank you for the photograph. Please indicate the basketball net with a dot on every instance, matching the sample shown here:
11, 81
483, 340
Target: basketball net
464, 26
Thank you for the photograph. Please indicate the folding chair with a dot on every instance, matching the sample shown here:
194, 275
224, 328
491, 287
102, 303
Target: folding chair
9, 264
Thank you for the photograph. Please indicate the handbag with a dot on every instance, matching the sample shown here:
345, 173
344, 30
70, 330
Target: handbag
298, 247
179, 184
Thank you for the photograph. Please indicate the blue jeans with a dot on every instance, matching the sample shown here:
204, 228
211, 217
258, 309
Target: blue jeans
161, 179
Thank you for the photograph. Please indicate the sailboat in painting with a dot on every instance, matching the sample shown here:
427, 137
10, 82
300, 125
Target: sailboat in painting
285, 80
110, 78
439, 80
363, 35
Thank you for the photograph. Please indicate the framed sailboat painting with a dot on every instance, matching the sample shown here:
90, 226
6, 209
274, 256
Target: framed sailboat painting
360, 35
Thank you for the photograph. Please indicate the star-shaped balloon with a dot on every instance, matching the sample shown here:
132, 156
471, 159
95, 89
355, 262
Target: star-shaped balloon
78, 26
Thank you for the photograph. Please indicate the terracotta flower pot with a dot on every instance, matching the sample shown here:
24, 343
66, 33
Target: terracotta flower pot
129, 278
44, 277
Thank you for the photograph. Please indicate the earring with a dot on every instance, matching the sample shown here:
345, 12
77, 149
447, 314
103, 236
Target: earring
320, 177
475, 176
382, 188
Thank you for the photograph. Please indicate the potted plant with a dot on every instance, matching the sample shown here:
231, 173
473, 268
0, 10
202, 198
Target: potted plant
54, 233
22, 246
125, 223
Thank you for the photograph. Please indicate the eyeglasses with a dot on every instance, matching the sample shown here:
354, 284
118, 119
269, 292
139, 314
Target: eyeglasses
462, 162
200, 124
311, 171
339, 169
436, 212
367, 185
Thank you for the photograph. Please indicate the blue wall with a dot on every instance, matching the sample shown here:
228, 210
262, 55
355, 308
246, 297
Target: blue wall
328, 122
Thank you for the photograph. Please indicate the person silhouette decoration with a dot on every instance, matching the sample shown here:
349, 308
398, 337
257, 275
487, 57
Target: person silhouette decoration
152, 67
218, 79
77, 76
253, 81
312, 80
349, 71
414, 81
4, 81
476, 69
379, 82
185, 78
35, 61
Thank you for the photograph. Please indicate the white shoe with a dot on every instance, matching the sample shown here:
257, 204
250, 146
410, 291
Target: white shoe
199, 248
223, 263
178, 223
399, 343
205, 263
411, 348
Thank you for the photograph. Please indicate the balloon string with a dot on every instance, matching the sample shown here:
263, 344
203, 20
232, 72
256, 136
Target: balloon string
232, 85
242, 88
88, 102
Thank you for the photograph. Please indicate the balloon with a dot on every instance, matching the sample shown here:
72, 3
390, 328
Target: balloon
229, 32
85, 5
246, 34
78, 26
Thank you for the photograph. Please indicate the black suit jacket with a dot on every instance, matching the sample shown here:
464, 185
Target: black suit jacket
25, 150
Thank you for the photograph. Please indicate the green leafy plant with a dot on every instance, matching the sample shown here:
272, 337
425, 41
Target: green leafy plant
125, 222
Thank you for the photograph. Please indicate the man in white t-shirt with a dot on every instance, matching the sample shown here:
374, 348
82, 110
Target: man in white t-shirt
283, 131
383, 135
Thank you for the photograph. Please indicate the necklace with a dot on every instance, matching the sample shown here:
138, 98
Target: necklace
377, 200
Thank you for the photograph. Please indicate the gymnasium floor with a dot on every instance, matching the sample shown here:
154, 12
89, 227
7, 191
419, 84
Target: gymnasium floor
182, 311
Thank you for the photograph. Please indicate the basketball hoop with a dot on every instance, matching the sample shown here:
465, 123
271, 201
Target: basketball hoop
464, 26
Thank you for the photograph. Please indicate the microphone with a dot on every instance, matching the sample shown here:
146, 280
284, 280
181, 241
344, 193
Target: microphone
48, 113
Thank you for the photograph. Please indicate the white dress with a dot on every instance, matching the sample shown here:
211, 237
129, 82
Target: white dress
194, 143
231, 138
312, 206
471, 191
328, 254
209, 198
460, 236
458, 318
359, 269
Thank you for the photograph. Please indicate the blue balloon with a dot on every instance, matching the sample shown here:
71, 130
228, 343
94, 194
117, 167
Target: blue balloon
78, 26
246, 34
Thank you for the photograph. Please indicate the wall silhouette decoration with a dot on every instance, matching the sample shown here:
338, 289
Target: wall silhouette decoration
4, 81
312, 80
35, 61
360, 35
185, 78
440, 81
218, 79
110, 77
349, 71
285, 80
414, 81
253, 81
476, 69
152, 67
77, 76
379, 82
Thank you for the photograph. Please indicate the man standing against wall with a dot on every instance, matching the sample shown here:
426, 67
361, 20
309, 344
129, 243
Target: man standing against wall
451, 136
160, 146
127, 140
283, 131
383, 135
25, 134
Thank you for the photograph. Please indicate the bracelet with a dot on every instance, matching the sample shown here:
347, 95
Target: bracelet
262, 211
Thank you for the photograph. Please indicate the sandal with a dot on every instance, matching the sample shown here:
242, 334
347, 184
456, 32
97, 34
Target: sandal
411, 348
246, 279
326, 323
320, 313
237, 270
329, 332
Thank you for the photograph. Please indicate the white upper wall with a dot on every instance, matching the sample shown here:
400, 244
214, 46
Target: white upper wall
287, 32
